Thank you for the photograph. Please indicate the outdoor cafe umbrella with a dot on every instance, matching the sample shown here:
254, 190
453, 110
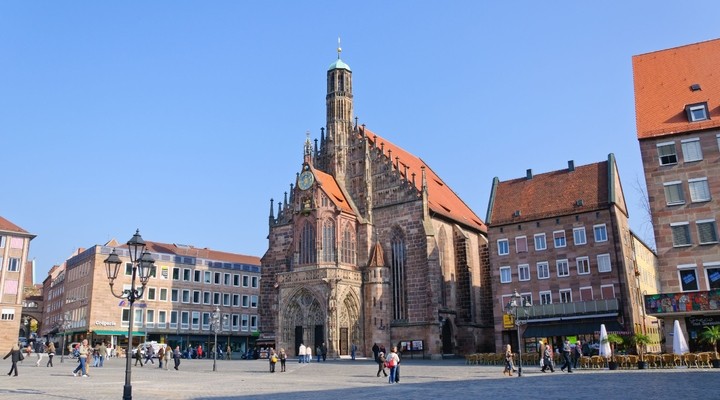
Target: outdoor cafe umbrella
604, 344
679, 343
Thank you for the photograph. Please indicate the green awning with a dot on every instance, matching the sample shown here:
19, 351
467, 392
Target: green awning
570, 328
118, 333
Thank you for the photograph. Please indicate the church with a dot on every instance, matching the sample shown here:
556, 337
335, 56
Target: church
372, 246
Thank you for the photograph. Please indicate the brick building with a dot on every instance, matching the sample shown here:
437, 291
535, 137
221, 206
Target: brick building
186, 286
14, 271
372, 246
562, 241
677, 107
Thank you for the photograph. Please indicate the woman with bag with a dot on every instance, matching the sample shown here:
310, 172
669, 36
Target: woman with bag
381, 364
51, 354
273, 360
509, 367
15, 355
392, 362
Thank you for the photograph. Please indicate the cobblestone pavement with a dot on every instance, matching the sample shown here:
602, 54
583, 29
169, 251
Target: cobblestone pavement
346, 379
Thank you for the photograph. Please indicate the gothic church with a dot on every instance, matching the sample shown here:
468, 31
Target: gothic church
371, 246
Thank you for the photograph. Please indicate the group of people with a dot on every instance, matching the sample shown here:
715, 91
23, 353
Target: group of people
274, 357
164, 355
305, 353
390, 361
571, 355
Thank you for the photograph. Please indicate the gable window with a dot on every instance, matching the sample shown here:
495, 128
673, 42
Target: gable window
579, 236
674, 193
583, 265
503, 247
604, 263
521, 244
565, 295
543, 270
505, 275
524, 272
681, 234
600, 233
540, 242
688, 277
699, 190
559, 238
562, 268
667, 153
697, 112
691, 150
707, 231
546, 297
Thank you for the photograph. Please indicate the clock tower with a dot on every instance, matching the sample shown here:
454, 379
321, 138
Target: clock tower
339, 105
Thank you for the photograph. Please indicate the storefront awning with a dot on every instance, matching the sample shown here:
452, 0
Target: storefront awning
570, 328
117, 333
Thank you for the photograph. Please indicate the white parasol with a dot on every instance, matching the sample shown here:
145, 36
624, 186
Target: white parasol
604, 344
679, 343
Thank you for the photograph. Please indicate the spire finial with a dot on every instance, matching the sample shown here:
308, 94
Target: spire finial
339, 48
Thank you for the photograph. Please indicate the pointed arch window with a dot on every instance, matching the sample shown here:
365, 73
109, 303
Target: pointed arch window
399, 289
348, 245
307, 244
328, 241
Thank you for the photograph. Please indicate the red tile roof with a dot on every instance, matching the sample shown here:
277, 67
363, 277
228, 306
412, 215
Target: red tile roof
331, 188
550, 194
442, 200
8, 226
205, 253
662, 88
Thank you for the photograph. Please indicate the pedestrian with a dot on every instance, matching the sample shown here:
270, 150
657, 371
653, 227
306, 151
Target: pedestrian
301, 353
273, 360
547, 358
96, 355
577, 353
283, 357
397, 367
138, 355
392, 362
566, 356
318, 351
353, 349
15, 355
51, 354
199, 352
161, 356
308, 353
228, 352
509, 367
381, 364
324, 351
40, 350
176, 356
376, 351
102, 353
82, 366
28, 350
168, 356
149, 353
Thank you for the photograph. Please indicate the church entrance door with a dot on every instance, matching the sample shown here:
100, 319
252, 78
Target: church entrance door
298, 337
447, 347
319, 336
344, 342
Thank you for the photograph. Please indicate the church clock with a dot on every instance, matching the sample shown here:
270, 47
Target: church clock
305, 180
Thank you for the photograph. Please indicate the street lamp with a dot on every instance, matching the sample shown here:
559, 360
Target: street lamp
142, 264
64, 325
516, 304
217, 323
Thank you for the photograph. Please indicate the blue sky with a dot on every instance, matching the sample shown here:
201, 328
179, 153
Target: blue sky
183, 118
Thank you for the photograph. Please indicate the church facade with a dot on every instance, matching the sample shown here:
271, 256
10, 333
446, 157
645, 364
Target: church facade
371, 246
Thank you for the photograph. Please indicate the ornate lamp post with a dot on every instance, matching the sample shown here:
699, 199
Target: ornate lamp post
64, 325
517, 305
142, 264
217, 323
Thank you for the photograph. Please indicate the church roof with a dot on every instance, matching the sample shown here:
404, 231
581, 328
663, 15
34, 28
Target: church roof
331, 188
441, 199
667, 81
339, 64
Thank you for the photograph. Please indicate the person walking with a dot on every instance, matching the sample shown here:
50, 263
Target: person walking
577, 353
566, 356
283, 357
176, 356
228, 352
323, 347
138, 355
161, 356
15, 356
353, 350
547, 358
168, 356
40, 350
381, 364
318, 352
82, 366
273, 360
51, 354
397, 367
301, 353
392, 362
149, 353
509, 367
376, 351
308, 354
103, 353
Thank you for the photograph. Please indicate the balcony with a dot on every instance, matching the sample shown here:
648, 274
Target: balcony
579, 309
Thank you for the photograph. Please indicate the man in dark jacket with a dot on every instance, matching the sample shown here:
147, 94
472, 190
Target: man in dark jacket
15, 355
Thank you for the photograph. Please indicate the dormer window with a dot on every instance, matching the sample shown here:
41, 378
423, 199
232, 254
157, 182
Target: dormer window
697, 112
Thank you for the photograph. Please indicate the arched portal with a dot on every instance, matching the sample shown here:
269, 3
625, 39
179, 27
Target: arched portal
301, 319
349, 331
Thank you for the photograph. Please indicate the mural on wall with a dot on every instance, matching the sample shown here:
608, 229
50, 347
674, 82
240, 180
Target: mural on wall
667, 303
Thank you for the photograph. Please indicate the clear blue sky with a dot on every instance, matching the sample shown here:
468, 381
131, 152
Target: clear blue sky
183, 118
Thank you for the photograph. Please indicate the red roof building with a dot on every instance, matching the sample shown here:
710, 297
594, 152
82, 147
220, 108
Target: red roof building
14, 271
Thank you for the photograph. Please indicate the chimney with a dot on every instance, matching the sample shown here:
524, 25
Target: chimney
571, 166
529, 174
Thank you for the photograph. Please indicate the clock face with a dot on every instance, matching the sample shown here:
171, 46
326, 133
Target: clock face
306, 180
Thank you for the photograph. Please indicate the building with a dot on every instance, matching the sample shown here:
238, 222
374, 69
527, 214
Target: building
677, 110
562, 241
372, 246
14, 249
184, 289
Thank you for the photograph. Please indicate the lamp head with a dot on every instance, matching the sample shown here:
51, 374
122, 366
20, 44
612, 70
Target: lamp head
145, 267
112, 266
136, 245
